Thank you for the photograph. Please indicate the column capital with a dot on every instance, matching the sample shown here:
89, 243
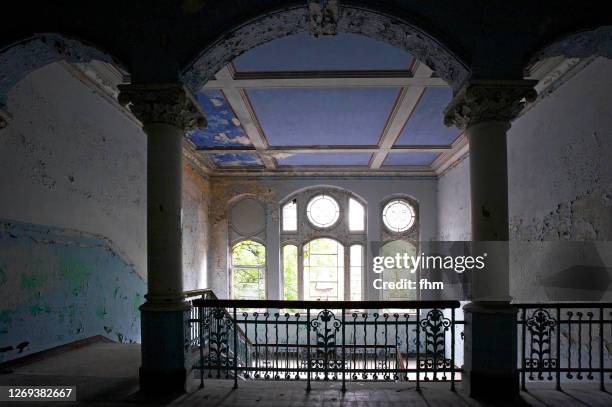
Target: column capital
166, 103
480, 101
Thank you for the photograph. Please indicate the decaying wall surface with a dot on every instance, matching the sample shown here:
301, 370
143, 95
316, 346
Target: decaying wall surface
196, 228
73, 217
454, 216
270, 191
560, 191
560, 183
58, 286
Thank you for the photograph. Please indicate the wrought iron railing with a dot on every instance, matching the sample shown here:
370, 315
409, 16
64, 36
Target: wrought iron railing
327, 341
565, 342
200, 341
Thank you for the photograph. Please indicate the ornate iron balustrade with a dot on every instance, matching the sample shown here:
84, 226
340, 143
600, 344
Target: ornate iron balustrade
215, 336
565, 342
327, 341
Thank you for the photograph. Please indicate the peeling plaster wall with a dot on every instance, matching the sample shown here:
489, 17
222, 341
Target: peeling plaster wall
196, 228
73, 217
271, 191
560, 191
560, 184
454, 214
59, 286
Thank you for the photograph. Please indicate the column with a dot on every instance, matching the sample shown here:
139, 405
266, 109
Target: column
485, 108
166, 112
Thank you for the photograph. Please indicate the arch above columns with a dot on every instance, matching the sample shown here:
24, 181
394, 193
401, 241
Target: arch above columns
351, 19
22, 58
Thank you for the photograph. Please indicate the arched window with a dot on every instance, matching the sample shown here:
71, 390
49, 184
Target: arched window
392, 249
323, 238
248, 271
398, 215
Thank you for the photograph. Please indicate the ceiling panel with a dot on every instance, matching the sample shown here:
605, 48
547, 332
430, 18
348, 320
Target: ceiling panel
416, 158
223, 128
426, 124
237, 159
325, 159
303, 52
330, 116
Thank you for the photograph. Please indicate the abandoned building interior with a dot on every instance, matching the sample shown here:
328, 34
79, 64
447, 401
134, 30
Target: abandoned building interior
159, 166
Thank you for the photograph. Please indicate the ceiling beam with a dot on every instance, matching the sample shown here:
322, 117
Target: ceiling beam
337, 79
244, 112
404, 106
325, 149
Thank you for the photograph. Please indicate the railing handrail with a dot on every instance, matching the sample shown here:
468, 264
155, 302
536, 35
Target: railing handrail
562, 305
349, 305
200, 292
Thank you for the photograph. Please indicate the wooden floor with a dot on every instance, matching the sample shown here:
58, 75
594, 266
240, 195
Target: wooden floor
106, 374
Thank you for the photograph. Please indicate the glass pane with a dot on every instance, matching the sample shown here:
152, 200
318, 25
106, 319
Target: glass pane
248, 253
290, 216
398, 215
290, 273
324, 270
356, 216
323, 211
356, 272
248, 283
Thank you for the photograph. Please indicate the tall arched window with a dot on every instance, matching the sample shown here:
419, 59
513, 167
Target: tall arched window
399, 216
248, 271
323, 237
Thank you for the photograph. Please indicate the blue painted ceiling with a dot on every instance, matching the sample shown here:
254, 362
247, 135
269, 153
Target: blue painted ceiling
303, 52
426, 125
323, 116
315, 116
326, 159
410, 158
223, 128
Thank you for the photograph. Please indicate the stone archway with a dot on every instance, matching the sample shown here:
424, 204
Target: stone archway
355, 20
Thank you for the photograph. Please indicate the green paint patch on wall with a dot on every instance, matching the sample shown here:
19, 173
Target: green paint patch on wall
3, 276
36, 309
101, 311
32, 281
75, 274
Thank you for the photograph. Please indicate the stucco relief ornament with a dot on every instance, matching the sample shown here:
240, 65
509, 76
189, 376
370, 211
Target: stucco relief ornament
323, 17
162, 103
486, 100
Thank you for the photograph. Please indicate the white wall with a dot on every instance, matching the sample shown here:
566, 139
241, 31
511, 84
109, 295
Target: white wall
560, 189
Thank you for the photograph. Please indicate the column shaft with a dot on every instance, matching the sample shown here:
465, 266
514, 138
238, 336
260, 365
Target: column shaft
485, 109
166, 111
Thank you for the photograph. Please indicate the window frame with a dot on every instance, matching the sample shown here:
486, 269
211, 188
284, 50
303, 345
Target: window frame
339, 231
232, 266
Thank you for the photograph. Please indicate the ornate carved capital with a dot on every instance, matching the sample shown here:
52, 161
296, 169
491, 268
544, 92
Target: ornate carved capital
167, 103
489, 100
323, 17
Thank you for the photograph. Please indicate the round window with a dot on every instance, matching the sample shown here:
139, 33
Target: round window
398, 215
323, 211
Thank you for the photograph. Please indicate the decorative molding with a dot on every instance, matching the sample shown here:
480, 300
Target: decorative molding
323, 16
168, 103
489, 100
425, 48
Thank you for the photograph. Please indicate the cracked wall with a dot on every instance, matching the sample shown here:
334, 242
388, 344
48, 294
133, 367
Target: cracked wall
73, 211
560, 191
